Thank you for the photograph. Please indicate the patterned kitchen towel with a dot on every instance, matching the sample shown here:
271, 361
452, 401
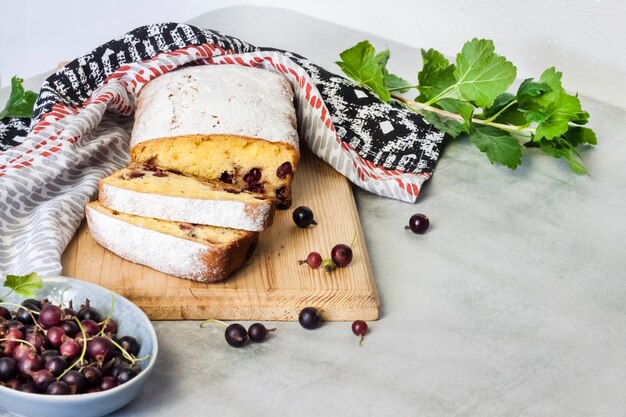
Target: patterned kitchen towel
81, 129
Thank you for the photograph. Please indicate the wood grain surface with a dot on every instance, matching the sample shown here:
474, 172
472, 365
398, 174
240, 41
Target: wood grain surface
271, 286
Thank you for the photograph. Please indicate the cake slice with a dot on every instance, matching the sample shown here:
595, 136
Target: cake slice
149, 192
232, 123
195, 252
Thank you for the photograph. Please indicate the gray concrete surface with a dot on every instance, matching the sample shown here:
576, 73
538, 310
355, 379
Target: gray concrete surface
513, 304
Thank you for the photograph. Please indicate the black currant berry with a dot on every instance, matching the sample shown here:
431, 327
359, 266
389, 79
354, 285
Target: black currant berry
130, 345
236, 335
31, 304
28, 387
257, 332
8, 369
25, 315
87, 312
58, 388
303, 217
341, 255
50, 315
125, 375
418, 223
310, 318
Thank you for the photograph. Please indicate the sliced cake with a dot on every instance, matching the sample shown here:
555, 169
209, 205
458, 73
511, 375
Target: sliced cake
195, 252
233, 123
150, 192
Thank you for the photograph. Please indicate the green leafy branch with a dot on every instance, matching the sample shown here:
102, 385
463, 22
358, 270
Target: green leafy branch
470, 98
21, 102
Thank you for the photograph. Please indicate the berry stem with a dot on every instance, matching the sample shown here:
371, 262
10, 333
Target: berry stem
109, 316
127, 355
82, 354
361, 340
18, 340
313, 222
212, 321
31, 312
353, 239
61, 303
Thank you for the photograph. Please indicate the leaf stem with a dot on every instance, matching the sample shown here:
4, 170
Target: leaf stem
439, 96
495, 116
524, 132
400, 88
6, 295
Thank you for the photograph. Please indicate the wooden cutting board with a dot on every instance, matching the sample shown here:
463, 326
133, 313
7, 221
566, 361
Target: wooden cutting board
271, 286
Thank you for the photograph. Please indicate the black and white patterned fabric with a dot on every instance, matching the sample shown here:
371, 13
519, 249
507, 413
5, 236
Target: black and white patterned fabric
13, 131
49, 168
387, 136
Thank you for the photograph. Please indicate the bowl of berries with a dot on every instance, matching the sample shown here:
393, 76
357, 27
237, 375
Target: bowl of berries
69, 347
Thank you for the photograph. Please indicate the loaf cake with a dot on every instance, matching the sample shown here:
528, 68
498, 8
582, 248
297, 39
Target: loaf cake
195, 252
149, 192
233, 123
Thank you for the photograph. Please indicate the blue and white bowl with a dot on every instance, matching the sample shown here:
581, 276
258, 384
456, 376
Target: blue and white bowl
131, 321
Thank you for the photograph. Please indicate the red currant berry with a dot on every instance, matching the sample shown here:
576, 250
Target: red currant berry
359, 328
314, 260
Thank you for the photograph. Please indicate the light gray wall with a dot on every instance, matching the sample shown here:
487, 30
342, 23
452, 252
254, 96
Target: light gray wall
582, 38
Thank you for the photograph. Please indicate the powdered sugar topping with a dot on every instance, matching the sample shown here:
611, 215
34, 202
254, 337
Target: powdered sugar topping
165, 253
223, 213
217, 99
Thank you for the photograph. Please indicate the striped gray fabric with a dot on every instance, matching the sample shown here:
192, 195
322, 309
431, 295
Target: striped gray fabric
42, 205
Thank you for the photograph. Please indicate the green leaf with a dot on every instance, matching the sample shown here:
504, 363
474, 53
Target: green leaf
560, 149
560, 112
481, 75
499, 103
575, 163
536, 116
436, 75
511, 116
529, 88
382, 57
462, 108
552, 78
391, 81
361, 64
451, 127
582, 119
500, 147
577, 135
20, 103
395, 83
548, 104
24, 285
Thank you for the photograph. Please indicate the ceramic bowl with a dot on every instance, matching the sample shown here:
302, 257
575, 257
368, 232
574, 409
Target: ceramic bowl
131, 321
